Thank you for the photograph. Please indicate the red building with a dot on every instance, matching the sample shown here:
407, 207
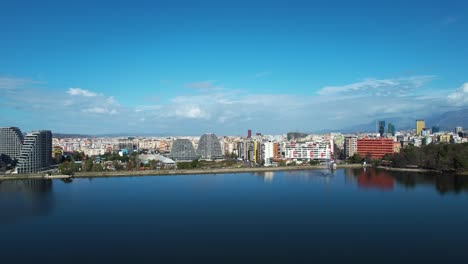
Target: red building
376, 147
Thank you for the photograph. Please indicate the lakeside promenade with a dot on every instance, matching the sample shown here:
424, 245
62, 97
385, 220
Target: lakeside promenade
170, 172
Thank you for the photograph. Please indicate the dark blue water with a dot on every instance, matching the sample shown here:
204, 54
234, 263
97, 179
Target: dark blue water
283, 217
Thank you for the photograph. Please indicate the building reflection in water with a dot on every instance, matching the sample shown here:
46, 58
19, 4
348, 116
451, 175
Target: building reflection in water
25, 198
373, 179
266, 176
385, 180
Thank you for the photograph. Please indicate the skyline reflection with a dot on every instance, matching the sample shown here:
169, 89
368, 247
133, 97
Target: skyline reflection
384, 180
25, 198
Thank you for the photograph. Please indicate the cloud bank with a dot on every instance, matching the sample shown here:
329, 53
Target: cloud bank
227, 111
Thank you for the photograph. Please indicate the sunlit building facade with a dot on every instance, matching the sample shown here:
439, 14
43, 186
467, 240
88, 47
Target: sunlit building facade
420, 125
376, 148
320, 150
36, 153
11, 141
209, 147
182, 150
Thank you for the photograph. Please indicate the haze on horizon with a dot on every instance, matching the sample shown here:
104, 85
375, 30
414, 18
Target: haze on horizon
189, 67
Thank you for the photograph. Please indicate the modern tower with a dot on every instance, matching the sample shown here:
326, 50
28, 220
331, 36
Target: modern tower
36, 153
381, 128
11, 140
420, 124
249, 133
391, 129
182, 149
209, 147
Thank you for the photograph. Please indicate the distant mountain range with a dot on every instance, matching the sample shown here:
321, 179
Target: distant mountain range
446, 121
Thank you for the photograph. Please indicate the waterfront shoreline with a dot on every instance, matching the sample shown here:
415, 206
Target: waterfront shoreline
407, 169
171, 172
107, 174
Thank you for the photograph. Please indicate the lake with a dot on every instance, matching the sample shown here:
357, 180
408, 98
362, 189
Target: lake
350, 215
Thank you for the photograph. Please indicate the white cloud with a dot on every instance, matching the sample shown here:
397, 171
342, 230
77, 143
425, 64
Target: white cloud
209, 84
229, 111
460, 96
81, 92
262, 74
379, 87
100, 110
10, 83
187, 111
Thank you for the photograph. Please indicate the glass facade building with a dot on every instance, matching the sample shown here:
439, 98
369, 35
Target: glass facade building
182, 149
36, 153
209, 147
11, 141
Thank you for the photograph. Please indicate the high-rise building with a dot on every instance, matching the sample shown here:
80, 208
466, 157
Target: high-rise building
458, 129
381, 128
350, 146
374, 147
269, 151
209, 147
11, 141
36, 153
249, 133
420, 124
182, 149
391, 129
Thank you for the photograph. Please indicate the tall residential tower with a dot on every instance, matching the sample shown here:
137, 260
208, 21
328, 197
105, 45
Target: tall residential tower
11, 140
36, 153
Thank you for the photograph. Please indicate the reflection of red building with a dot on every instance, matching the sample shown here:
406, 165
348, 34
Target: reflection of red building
371, 179
376, 147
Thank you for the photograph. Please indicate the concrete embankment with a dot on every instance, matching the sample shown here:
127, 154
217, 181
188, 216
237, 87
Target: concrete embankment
405, 169
171, 172
32, 177
202, 171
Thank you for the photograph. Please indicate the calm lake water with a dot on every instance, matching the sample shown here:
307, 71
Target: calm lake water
314, 216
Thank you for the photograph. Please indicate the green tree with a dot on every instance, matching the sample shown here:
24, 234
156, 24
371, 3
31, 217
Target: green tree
68, 167
97, 167
195, 164
314, 162
87, 165
356, 158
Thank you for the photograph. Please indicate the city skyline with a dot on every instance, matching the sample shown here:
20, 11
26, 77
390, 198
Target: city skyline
186, 68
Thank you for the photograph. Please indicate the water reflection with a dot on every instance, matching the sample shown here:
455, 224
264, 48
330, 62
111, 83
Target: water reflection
25, 198
319, 176
385, 180
266, 176
373, 179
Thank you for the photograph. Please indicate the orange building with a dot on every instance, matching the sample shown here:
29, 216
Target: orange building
375, 147
275, 150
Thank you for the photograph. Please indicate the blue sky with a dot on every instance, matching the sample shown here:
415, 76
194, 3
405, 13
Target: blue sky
189, 67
